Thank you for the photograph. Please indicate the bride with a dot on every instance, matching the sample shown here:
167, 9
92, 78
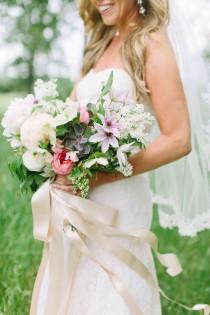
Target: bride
129, 38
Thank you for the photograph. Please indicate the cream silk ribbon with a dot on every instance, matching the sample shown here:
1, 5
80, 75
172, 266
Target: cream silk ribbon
95, 221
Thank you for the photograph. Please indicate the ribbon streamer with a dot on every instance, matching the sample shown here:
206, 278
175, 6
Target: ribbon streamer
117, 283
96, 222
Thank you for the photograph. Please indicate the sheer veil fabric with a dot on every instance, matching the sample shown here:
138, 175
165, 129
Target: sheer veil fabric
181, 189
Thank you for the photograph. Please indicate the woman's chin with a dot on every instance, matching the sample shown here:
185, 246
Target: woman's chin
109, 21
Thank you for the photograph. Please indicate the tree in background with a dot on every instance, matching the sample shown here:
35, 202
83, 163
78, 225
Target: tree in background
36, 26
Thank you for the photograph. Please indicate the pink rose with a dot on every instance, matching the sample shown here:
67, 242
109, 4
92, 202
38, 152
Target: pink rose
62, 164
84, 115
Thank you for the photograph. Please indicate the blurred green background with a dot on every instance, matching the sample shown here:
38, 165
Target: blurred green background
33, 33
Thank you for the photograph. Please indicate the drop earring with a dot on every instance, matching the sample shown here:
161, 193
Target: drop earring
142, 9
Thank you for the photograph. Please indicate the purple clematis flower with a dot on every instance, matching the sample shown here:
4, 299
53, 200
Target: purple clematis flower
105, 135
109, 124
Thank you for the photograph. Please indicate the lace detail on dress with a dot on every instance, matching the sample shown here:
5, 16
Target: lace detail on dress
185, 228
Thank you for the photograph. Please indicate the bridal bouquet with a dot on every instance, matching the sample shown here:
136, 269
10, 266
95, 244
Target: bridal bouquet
53, 137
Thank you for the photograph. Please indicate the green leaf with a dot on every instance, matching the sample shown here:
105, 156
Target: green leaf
75, 172
95, 155
25, 185
101, 108
62, 130
29, 181
89, 173
17, 168
44, 145
39, 180
106, 88
88, 132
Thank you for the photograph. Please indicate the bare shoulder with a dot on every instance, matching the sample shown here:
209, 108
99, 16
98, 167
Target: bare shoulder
158, 39
160, 56
159, 48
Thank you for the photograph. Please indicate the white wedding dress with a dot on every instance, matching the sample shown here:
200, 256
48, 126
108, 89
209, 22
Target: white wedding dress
89, 291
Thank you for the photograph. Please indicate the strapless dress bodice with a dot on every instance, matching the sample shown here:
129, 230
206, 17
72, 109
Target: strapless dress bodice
89, 87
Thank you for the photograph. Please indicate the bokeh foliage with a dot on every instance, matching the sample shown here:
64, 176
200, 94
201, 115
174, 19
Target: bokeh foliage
35, 26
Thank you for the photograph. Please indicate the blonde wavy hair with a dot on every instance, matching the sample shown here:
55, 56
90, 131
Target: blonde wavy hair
133, 50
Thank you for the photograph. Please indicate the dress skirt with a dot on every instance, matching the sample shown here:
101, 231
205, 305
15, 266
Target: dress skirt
71, 283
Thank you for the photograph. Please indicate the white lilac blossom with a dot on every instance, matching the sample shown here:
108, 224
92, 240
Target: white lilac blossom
61, 105
133, 119
44, 89
68, 114
46, 107
62, 112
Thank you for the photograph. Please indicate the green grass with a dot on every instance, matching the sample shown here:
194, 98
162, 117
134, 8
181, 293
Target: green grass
193, 285
20, 254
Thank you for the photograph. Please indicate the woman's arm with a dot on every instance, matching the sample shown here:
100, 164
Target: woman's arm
169, 104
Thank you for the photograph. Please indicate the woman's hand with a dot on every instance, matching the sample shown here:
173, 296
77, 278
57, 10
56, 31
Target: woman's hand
101, 178
63, 183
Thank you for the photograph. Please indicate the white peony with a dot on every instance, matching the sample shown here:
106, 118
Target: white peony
68, 114
45, 89
17, 112
36, 161
36, 130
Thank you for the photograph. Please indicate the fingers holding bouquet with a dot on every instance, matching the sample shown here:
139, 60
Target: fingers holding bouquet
63, 183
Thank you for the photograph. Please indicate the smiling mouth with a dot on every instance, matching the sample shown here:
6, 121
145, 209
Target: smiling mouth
105, 8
